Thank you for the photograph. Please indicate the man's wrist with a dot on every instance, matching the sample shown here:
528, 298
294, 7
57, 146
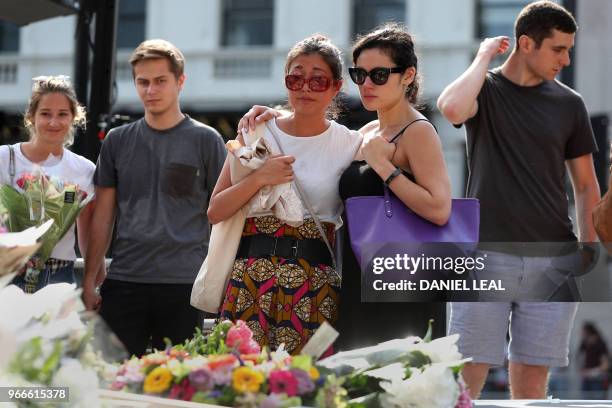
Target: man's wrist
89, 280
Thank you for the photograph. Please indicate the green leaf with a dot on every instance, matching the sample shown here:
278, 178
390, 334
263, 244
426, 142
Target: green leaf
429, 333
417, 359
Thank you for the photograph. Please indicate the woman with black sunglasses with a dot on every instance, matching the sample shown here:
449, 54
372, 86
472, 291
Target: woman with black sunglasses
402, 149
283, 283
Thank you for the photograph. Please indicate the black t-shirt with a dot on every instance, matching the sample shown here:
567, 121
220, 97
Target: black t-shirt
518, 143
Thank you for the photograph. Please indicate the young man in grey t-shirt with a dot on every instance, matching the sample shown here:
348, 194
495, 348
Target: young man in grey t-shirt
155, 176
524, 129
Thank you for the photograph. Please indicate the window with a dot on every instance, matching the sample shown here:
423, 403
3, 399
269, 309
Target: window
131, 23
9, 37
496, 17
367, 14
247, 22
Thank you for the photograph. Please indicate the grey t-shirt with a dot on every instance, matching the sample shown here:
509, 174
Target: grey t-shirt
164, 180
518, 143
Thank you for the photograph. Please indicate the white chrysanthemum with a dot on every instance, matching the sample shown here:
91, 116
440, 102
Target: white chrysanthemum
440, 350
82, 383
391, 372
435, 387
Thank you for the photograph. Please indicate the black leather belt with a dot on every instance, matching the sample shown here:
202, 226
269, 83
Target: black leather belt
258, 246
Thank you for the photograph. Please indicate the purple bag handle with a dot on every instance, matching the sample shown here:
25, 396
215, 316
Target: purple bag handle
388, 210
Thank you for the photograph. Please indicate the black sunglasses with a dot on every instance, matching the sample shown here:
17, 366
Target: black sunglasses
378, 75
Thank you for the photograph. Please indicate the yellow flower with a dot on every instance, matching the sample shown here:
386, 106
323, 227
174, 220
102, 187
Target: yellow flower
314, 373
245, 379
158, 381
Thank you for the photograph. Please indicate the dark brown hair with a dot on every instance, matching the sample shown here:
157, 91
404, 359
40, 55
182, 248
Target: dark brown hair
157, 49
397, 43
537, 20
321, 45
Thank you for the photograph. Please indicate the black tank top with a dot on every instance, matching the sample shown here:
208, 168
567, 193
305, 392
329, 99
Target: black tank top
362, 323
359, 179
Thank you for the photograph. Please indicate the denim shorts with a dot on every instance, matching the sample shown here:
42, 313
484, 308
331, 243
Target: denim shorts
55, 271
539, 331
530, 279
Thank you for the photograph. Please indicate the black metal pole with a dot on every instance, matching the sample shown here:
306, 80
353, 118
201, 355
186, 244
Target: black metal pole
81, 51
102, 75
81, 65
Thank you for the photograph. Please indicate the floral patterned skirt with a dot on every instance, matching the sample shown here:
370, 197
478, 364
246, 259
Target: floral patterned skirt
282, 300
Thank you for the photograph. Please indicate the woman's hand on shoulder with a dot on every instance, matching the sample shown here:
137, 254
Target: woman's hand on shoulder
377, 151
256, 115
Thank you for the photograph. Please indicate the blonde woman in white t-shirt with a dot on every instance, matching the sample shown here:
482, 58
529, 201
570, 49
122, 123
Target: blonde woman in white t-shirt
51, 115
283, 283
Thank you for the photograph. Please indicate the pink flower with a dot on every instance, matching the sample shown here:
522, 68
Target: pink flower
464, 400
183, 391
283, 381
26, 178
250, 347
117, 385
238, 334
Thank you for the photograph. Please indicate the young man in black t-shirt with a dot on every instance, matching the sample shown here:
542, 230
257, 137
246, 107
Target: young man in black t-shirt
524, 128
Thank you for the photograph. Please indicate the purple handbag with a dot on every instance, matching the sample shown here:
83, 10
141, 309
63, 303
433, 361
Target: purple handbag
377, 220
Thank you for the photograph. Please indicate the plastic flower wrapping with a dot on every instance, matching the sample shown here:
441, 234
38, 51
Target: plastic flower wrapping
16, 248
38, 198
3, 219
44, 342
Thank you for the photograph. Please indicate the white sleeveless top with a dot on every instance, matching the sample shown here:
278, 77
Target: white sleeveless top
320, 160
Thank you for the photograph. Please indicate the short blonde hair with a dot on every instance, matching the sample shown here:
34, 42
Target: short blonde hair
45, 85
156, 49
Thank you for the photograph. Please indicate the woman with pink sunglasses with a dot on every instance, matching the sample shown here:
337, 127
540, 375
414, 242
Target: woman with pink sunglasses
283, 282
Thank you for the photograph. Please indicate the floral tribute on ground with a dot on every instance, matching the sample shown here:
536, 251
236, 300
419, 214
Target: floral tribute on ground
227, 368
44, 342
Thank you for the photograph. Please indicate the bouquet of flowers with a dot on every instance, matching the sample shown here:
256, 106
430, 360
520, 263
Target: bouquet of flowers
39, 198
226, 368
410, 372
44, 343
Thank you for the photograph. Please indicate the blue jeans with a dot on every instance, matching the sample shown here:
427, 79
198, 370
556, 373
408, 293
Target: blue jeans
46, 276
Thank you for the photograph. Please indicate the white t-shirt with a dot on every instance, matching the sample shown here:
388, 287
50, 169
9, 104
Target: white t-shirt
69, 168
319, 162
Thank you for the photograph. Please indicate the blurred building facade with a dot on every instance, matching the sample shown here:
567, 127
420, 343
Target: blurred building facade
235, 52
